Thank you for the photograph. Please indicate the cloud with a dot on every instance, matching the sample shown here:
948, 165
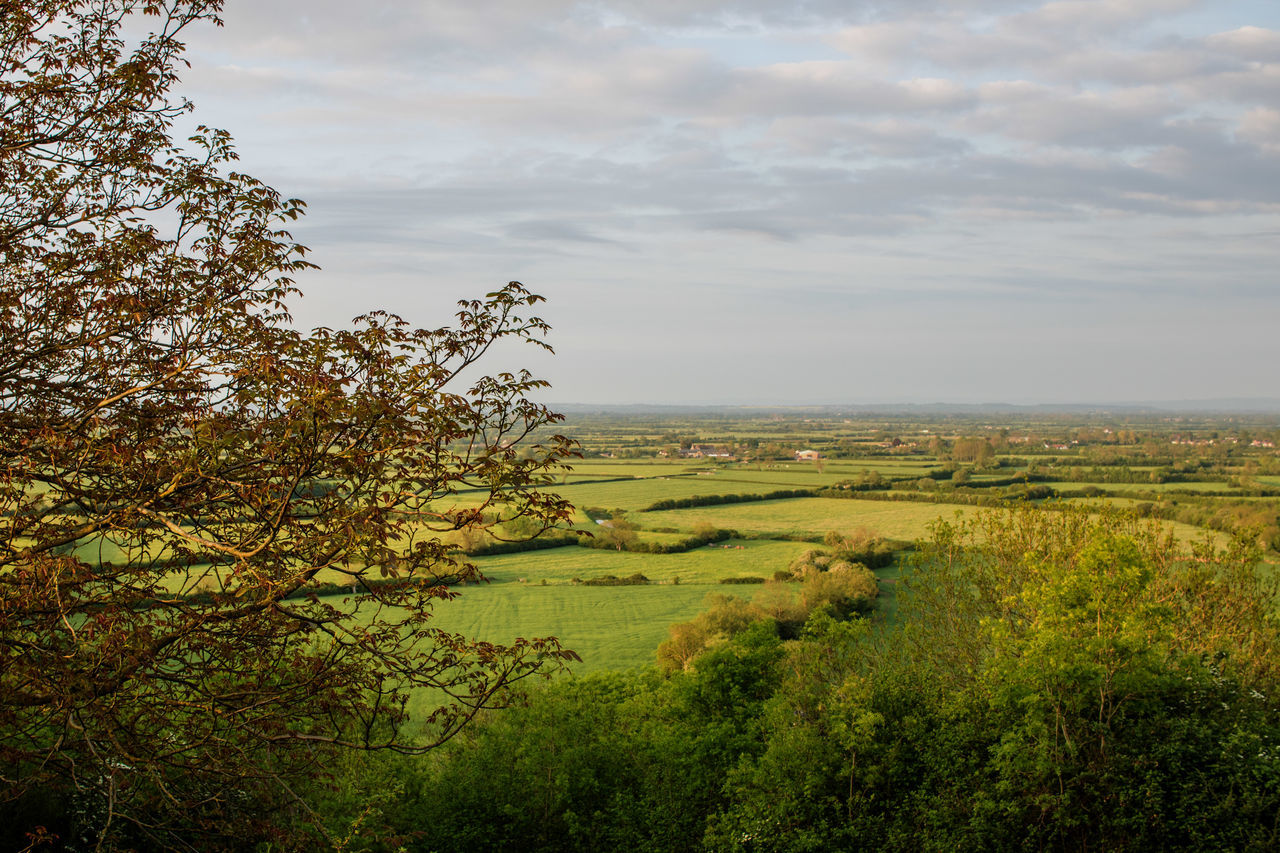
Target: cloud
902, 156
1256, 44
1261, 126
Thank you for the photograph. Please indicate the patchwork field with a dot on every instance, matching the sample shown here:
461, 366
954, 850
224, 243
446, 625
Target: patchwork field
540, 593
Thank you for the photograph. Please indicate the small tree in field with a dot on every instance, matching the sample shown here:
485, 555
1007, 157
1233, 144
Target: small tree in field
179, 468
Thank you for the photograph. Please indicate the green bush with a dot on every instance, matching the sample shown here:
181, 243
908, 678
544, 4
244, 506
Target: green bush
613, 580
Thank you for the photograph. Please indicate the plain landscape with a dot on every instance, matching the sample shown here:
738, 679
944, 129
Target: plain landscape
273, 579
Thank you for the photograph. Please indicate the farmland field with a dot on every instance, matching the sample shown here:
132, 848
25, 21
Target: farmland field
637, 494
812, 516
1190, 486
706, 565
609, 627
815, 516
539, 592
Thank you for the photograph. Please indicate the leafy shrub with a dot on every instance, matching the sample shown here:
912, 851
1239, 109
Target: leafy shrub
613, 580
715, 500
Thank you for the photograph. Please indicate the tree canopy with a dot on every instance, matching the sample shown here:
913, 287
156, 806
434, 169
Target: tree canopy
183, 472
1052, 681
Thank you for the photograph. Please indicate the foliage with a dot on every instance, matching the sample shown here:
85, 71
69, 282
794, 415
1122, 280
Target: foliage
836, 589
620, 534
715, 500
620, 762
1047, 686
156, 405
492, 547
726, 616
861, 546
613, 580
1041, 691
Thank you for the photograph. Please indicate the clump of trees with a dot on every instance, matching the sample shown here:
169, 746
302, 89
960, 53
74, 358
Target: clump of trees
976, 450
860, 546
621, 534
815, 581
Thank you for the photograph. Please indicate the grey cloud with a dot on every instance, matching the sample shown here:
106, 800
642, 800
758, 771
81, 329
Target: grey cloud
1086, 19
889, 138
1259, 85
554, 230
795, 13
1045, 115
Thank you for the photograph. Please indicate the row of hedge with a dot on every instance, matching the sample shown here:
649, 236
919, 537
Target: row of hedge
689, 543
715, 500
491, 547
613, 580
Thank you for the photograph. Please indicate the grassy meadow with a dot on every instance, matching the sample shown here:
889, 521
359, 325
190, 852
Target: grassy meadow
540, 593
812, 517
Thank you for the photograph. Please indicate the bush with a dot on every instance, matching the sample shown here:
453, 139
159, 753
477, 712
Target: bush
493, 546
613, 580
847, 588
861, 546
634, 545
715, 500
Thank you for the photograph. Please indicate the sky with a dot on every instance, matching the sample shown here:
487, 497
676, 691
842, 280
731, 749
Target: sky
787, 201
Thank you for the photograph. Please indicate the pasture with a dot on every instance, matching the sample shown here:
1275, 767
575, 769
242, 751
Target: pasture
812, 517
638, 494
609, 627
538, 593
1189, 487
706, 565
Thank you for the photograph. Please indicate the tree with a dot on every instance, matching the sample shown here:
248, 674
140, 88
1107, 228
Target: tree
1043, 686
617, 533
185, 475
976, 450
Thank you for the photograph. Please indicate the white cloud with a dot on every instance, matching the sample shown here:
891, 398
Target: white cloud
1251, 43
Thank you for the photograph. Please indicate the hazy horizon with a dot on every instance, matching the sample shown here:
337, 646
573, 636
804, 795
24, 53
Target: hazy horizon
1225, 405
972, 200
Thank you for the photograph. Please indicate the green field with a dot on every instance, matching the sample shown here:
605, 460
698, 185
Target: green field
609, 627
599, 468
1196, 486
652, 482
816, 516
638, 494
537, 593
812, 516
701, 566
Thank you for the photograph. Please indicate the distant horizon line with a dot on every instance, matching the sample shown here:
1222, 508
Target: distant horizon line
1223, 405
